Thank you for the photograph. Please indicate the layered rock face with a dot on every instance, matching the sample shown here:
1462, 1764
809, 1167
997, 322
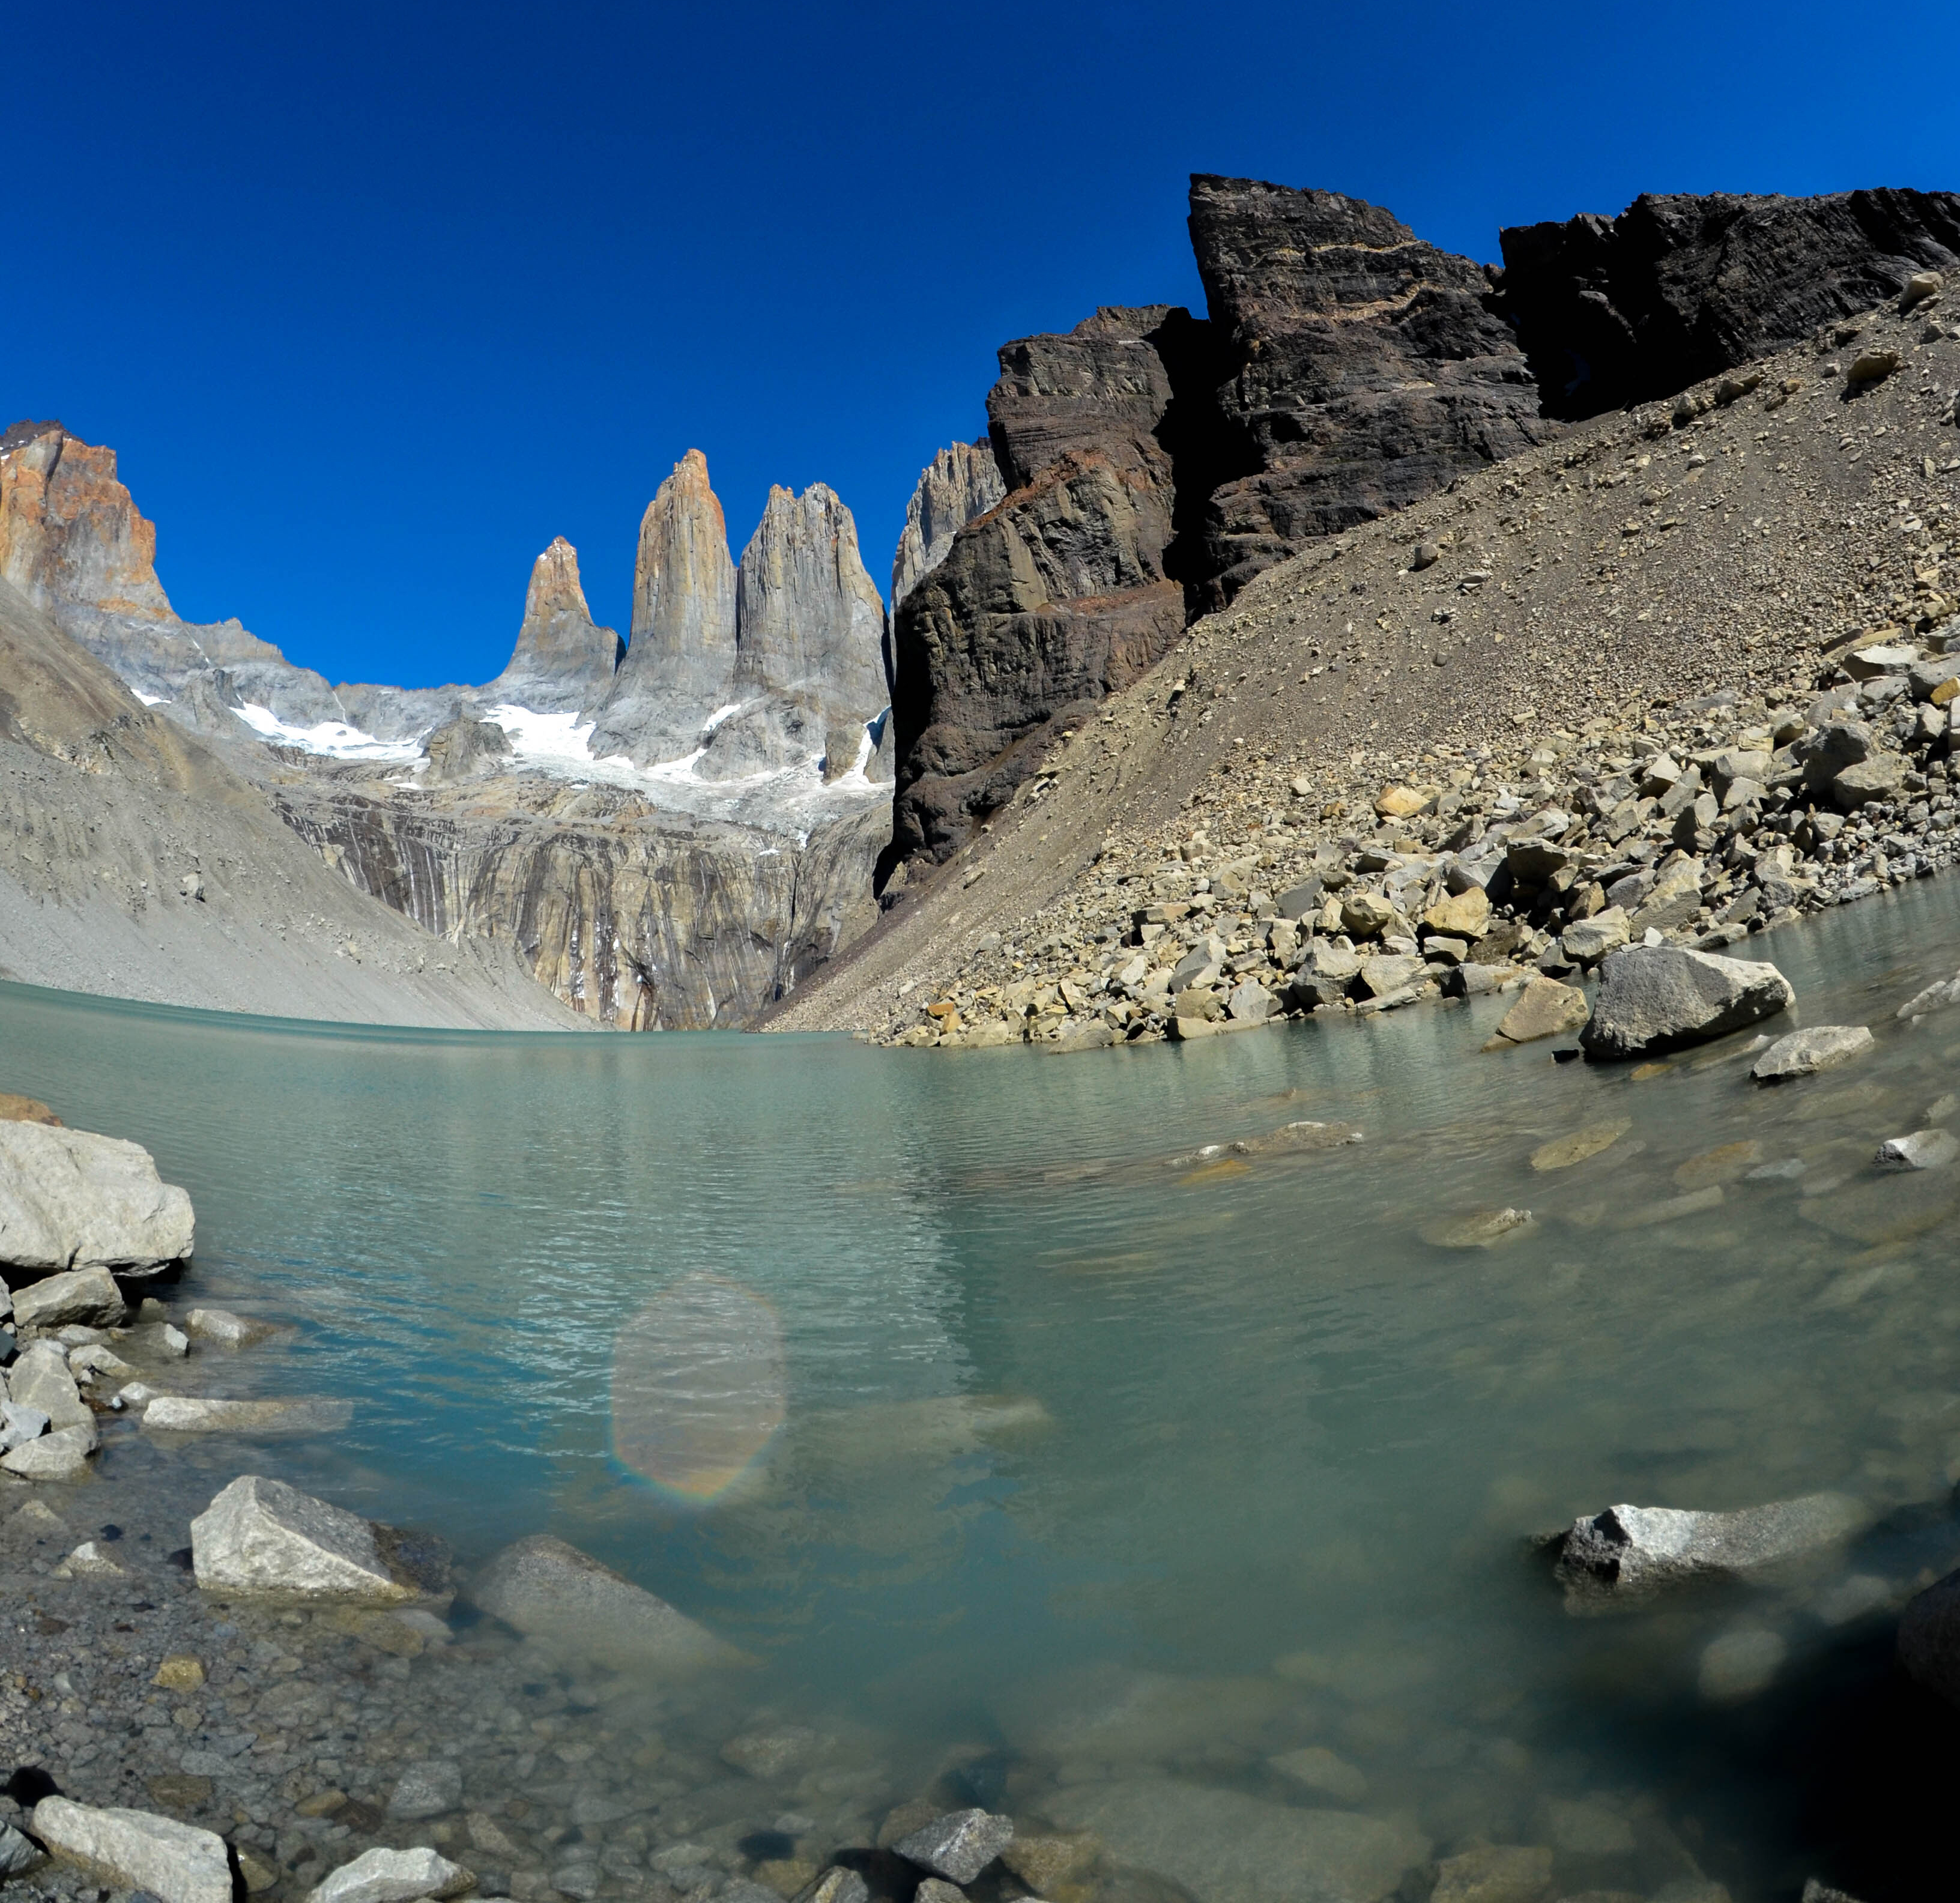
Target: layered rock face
962, 482
564, 662
1058, 596
680, 664
1679, 288
809, 633
1366, 370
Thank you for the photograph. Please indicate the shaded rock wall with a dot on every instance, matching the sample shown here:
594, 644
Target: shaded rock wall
1679, 288
961, 482
640, 921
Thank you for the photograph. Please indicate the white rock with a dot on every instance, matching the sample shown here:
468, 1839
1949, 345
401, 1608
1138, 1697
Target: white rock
189, 1414
62, 1455
230, 1330
1921, 1149
135, 1850
260, 1538
41, 1378
71, 1199
958, 1845
20, 1424
1626, 1553
89, 1296
553, 1593
91, 1561
1804, 1053
96, 1362
175, 1340
394, 1876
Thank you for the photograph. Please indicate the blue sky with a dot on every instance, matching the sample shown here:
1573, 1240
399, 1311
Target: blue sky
375, 301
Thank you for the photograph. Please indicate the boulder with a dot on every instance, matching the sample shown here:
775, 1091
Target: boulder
1463, 915
1561, 1153
432, 1788
835, 1885
1545, 1008
15, 1109
42, 1379
1223, 1846
958, 1845
1935, 997
552, 1592
1587, 940
227, 1330
1804, 1053
71, 1199
1660, 997
18, 1854
86, 1296
1921, 1150
62, 1455
1628, 1553
381, 1875
261, 1539
132, 1850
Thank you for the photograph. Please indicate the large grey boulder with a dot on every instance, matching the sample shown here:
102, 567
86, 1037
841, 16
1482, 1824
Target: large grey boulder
552, 1592
382, 1876
261, 1539
958, 1845
135, 1850
71, 1199
86, 1296
61, 1456
1628, 1553
1659, 997
1223, 1846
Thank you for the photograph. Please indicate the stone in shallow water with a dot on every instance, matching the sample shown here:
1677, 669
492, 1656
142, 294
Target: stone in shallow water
91, 1560
1724, 1163
1476, 1229
1804, 1053
178, 1863
88, 1296
1043, 1859
1495, 1873
1113, 1715
1561, 1153
552, 1592
1659, 997
1893, 1207
836, 1885
768, 1754
431, 1788
1319, 1769
385, 1876
260, 1538
227, 1330
1627, 1553
960, 1845
190, 1414
61, 1456
1920, 1150
1545, 1008
1223, 1846
1738, 1665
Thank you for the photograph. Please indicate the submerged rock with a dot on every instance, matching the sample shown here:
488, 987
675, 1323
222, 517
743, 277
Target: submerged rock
188, 1414
1627, 1554
1545, 1008
1740, 1664
382, 1875
1919, 1150
1804, 1053
1495, 1873
133, 1850
70, 1199
1109, 1714
1561, 1153
1480, 1229
1223, 1846
958, 1845
552, 1592
62, 1455
1659, 997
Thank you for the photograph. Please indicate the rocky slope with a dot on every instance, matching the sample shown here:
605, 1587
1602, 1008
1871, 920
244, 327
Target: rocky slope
1682, 670
134, 863
690, 879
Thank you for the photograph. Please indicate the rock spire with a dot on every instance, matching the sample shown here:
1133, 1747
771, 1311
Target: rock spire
962, 482
564, 661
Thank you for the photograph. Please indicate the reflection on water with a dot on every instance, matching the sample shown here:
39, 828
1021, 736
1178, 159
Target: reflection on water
991, 1414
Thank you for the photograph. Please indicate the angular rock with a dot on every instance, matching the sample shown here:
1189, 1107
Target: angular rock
133, 1850
1464, 914
41, 1379
1223, 1846
1043, 1859
564, 661
432, 1788
679, 665
836, 1885
1921, 1150
1495, 1873
1587, 940
1545, 1008
464, 749
958, 1845
261, 1539
91, 1560
88, 1296
959, 483
1679, 288
19, 1424
228, 1330
1660, 997
61, 1456
553, 1593
1478, 1229
1804, 1053
382, 1876
70, 1199
1935, 997
188, 1414
18, 1854
1628, 1553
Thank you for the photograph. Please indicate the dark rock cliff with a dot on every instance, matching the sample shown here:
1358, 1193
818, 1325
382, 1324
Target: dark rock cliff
1677, 289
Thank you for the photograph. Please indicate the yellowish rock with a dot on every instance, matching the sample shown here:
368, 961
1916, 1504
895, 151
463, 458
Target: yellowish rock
1545, 1008
1724, 1164
1495, 1873
1399, 802
1464, 914
1043, 1859
180, 1673
1562, 1152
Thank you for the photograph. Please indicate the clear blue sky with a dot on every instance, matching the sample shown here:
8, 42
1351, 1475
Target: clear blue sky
374, 300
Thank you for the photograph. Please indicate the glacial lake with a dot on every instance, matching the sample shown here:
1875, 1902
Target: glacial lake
1000, 1428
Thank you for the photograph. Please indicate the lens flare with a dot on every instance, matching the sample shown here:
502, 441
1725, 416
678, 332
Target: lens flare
698, 1386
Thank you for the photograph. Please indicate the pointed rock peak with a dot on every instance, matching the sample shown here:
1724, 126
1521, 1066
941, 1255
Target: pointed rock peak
564, 661
961, 482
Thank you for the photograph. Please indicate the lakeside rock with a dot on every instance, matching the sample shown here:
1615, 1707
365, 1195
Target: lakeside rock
1804, 1053
187, 1414
1654, 998
70, 1199
176, 1863
261, 1539
958, 1845
88, 1296
1626, 1554
382, 1876
552, 1592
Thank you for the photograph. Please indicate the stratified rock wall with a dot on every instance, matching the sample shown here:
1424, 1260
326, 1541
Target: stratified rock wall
1679, 288
1366, 369
643, 921
810, 632
680, 667
564, 661
962, 482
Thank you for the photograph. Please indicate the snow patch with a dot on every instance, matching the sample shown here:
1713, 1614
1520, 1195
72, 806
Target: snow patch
151, 700
335, 739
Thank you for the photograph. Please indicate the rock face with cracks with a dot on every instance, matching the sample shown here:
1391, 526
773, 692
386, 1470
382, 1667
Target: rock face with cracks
564, 661
135, 1850
1659, 997
962, 482
70, 1199
260, 1538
